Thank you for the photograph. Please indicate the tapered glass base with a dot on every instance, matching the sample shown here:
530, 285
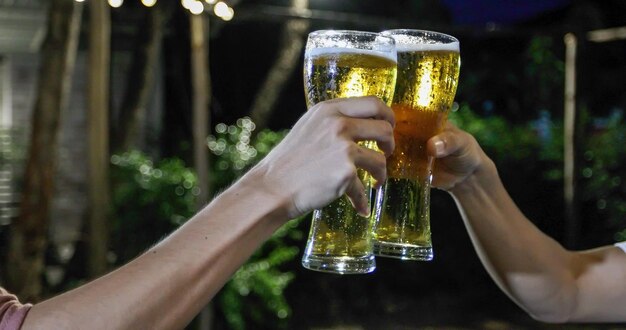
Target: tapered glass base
403, 251
340, 265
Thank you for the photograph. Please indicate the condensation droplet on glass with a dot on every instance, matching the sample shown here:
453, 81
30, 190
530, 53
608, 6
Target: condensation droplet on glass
455, 107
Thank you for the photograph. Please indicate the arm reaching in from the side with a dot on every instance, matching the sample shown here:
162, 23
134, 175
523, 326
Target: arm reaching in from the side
166, 287
551, 283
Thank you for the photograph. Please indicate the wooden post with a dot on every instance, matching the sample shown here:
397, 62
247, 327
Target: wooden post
200, 103
142, 74
6, 100
201, 98
98, 134
29, 232
569, 177
292, 42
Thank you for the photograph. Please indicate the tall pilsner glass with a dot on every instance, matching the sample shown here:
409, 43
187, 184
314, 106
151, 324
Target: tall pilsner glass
428, 71
340, 64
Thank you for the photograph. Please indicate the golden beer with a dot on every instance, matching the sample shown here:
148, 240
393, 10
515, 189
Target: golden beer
340, 240
331, 73
425, 89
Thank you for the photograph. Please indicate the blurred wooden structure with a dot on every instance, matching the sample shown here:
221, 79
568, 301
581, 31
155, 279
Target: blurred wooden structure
29, 235
572, 225
98, 95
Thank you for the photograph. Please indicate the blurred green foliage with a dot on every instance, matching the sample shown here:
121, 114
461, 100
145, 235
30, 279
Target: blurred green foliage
255, 293
544, 71
152, 199
149, 199
603, 171
504, 140
537, 146
235, 149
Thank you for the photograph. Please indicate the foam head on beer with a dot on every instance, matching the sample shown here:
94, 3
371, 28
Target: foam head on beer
335, 73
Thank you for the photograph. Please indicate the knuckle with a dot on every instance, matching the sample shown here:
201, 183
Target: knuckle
379, 167
352, 149
387, 130
380, 160
347, 174
370, 98
339, 125
325, 107
346, 151
379, 103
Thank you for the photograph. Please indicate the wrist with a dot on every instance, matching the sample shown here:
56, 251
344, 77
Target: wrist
256, 185
481, 178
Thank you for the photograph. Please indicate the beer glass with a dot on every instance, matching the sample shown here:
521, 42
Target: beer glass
341, 64
428, 71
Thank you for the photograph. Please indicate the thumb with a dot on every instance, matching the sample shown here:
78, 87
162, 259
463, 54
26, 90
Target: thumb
447, 143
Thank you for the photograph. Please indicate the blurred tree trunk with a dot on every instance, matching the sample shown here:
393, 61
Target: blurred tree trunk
201, 101
25, 260
141, 75
572, 223
292, 41
98, 135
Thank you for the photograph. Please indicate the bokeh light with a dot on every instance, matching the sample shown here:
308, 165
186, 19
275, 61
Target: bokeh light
187, 3
116, 3
228, 16
196, 7
221, 9
148, 3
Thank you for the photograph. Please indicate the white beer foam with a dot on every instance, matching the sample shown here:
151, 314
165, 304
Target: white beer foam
452, 47
314, 52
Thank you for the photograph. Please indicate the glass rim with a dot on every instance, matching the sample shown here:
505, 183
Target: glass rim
332, 32
415, 32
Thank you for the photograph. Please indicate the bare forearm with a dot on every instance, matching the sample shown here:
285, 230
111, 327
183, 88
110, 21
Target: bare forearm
166, 286
551, 283
529, 266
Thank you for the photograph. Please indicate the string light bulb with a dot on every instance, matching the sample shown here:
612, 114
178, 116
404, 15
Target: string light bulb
229, 15
221, 9
116, 3
187, 3
148, 3
196, 7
